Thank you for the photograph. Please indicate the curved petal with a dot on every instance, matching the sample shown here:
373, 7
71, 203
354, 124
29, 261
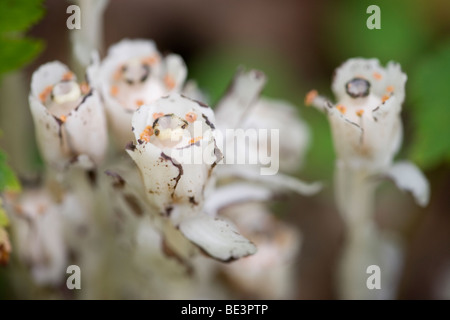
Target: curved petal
409, 178
235, 193
176, 71
241, 94
218, 238
47, 75
278, 182
86, 129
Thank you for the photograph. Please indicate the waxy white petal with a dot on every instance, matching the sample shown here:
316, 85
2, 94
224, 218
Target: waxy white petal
408, 177
218, 238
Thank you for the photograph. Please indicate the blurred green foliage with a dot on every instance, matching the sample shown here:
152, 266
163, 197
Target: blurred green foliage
430, 102
16, 17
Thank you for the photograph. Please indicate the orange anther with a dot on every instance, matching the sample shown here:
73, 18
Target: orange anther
139, 102
360, 112
114, 91
390, 89
191, 116
310, 96
84, 87
150, 60
67, 76
169, 82
194, 140
157, 115
385, 98
377, 76
341, 108
146, 134
44, 94
63, 118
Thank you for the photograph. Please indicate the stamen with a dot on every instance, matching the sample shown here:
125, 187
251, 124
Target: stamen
114, 91
150, 60
67, 76
377, 76
360, 112
196, 139
63, 118
341, 108
157, 115
146, 134
310, 96
84, 87
44, 94
385, 98
191, 116
390, 89
169, 82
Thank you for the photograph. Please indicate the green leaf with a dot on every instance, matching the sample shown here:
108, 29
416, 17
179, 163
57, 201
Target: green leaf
16, 53
430, 103
8, 180
19, 15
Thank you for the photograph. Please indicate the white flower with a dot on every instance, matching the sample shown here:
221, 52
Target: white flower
69, 120
366, 123
134, 73
269, 273
242, 108
176, 153
37, 225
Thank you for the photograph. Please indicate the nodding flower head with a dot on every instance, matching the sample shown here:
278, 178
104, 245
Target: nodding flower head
68, 117
365, 120
175, 150
134, 73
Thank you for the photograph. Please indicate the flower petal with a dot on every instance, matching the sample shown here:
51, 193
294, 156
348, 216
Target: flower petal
408, 177
234, 193
47, 75
86, 128
275, 182
218, 238
242, 93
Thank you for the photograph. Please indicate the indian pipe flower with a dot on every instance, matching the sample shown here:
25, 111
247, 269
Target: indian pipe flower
366, 123
135, 73
176, 153
68, 116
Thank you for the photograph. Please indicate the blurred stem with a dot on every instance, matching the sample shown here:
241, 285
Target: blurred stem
355, 192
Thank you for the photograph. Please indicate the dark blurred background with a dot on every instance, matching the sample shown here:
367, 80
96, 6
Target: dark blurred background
298, 44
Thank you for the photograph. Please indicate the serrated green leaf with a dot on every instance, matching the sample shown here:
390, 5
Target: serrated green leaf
430, 105
19, 15
16, 53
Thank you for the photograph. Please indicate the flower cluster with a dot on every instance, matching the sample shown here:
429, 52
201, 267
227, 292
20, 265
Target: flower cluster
172, 198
